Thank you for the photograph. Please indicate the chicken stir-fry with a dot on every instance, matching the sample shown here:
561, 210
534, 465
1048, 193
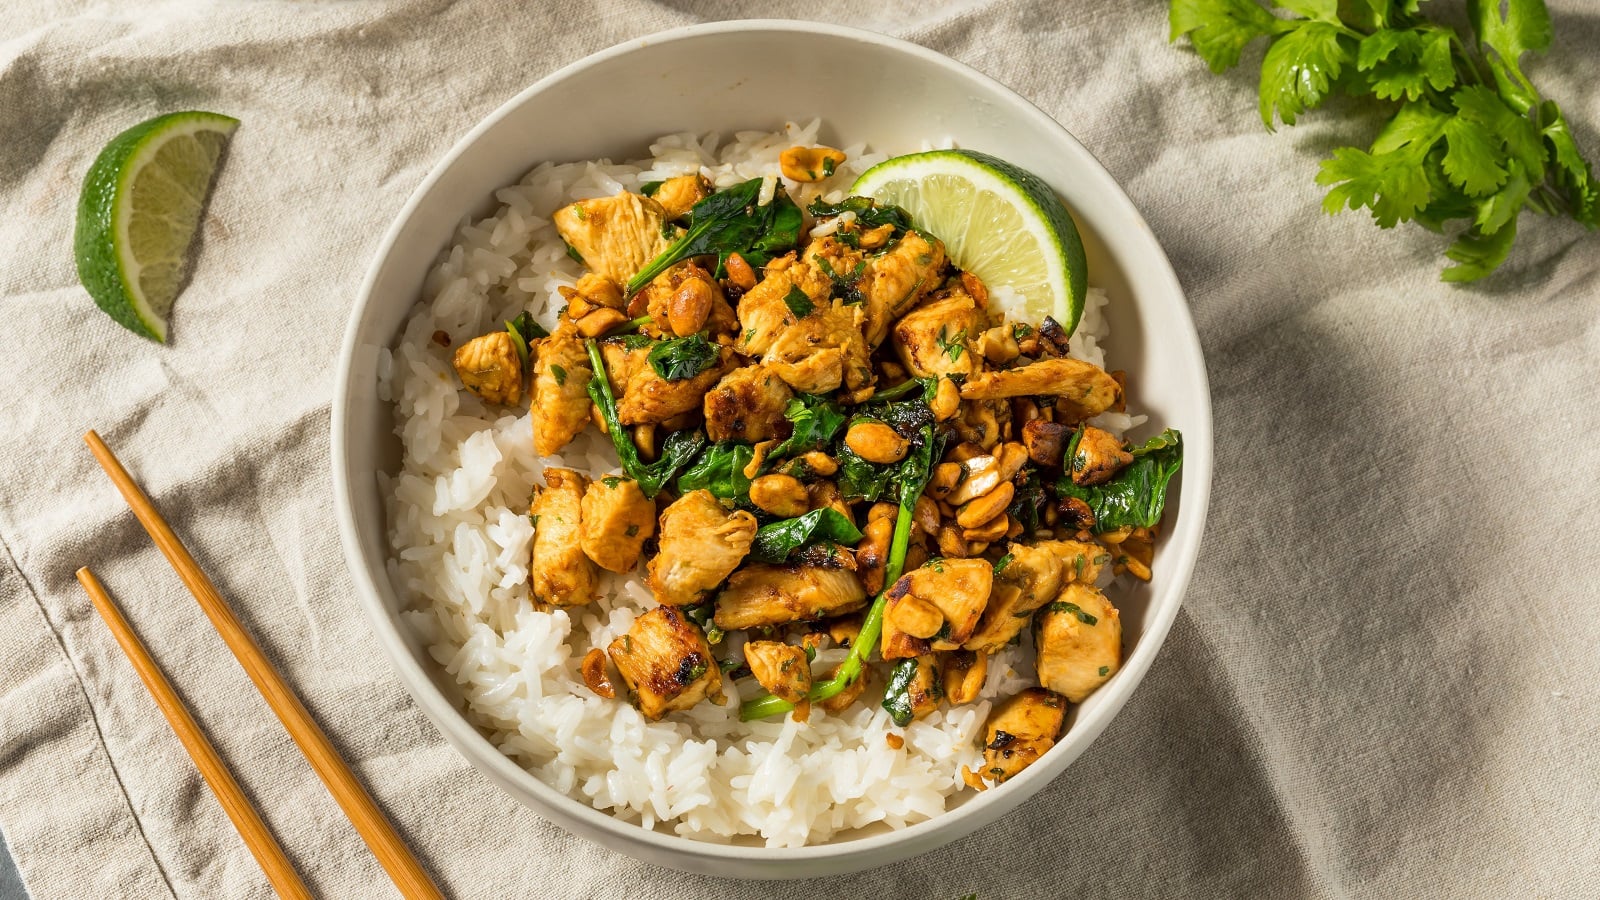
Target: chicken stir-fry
834, 444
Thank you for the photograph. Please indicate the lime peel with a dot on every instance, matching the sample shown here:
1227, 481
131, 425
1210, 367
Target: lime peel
138, 212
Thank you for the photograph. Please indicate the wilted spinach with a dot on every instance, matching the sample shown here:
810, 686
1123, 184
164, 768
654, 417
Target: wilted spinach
1138, 493
732, 221
869, 214
682, 358
720, 470
776, 541
816, 419
897, 694
676, 450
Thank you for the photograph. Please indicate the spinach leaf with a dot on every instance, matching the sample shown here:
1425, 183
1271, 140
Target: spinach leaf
524, 331
1029, 500
731, 221
720, 470
676, 450
816, 420
682, 358
869, 213
775, 541
897, 695
1137, 495
858, 479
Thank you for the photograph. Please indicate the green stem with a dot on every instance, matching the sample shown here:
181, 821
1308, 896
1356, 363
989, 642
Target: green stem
896, 392
866, 639
629, 327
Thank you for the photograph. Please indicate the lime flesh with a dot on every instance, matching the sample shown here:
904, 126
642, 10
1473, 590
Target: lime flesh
138, 212
999, 222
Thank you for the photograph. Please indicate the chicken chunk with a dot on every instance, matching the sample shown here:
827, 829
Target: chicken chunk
938, 338
617, 519
915, 688
1030, 577
562, 574
898, 279
810, 341
679, 195
774, 595
784, 671
701, 543
490, 367
666, 663
1078, 636
616, 236
1084, 388
747, 405
560, 407
1098, 457
955, 589
649, 399
1019, 731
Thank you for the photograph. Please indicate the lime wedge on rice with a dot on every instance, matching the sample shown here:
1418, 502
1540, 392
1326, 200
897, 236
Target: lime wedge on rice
997, 221
138, 212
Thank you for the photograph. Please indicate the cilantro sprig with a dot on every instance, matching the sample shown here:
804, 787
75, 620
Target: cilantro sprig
1471, 143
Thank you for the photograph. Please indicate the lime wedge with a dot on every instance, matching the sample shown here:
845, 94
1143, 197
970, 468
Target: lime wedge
138, 212
997, 221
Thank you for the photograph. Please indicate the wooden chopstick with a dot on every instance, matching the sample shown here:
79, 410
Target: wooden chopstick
374, 828
262, 844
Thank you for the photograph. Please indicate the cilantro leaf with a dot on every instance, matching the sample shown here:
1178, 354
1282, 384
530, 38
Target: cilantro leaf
1477, 254
1300, 69
1320, 10
1572, 170
1219, 30
1474, 159
1525, 26
1501, 207
1393, 185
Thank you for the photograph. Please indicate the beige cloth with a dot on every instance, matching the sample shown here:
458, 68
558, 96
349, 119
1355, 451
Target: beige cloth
1383, 682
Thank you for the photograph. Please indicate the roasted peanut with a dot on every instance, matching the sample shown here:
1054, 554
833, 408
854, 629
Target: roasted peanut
873, 238
964, 673
997, 345
926, 515
990, 531
740, 275
1045, 441
872, 554
644, 438
820, 463
964, 451
882, 510
1010, 456
689, 305
841, 701
979, 510
876, 442
982, 476
946, 400
810, 164
976, 289
944, 479
600, 320
781, 495
951, 543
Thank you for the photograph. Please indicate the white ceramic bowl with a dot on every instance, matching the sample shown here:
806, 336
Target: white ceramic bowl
755, 75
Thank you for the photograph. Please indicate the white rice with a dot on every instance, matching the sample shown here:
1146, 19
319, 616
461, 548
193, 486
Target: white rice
460, 536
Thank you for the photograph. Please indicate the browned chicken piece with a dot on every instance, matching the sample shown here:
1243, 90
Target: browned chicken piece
616, 236
621, 362
937, 338
842, 263
764, 313
560, 406
1019, 731
1083, 387
1030, 577
822, 351
1046, 441
935, 606
774, 595
679, 195
923, 685
841, 701
784, 671
617, 519
592, 292
649, 399
1078, 637
562, 574
701, 543
490, 367
747, 405
666, 663
1098, 457
898, 279
685, 299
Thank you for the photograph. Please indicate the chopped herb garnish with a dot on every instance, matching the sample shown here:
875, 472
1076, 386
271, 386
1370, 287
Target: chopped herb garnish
1001, 563
559, 373
828, 167
610, 481
1104, 671
953, 347
798, 302
1062, 606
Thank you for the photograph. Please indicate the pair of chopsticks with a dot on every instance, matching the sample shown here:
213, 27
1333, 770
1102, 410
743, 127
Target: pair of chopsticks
369, 821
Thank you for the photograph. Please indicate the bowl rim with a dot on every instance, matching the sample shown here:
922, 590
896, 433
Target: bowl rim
477, 749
